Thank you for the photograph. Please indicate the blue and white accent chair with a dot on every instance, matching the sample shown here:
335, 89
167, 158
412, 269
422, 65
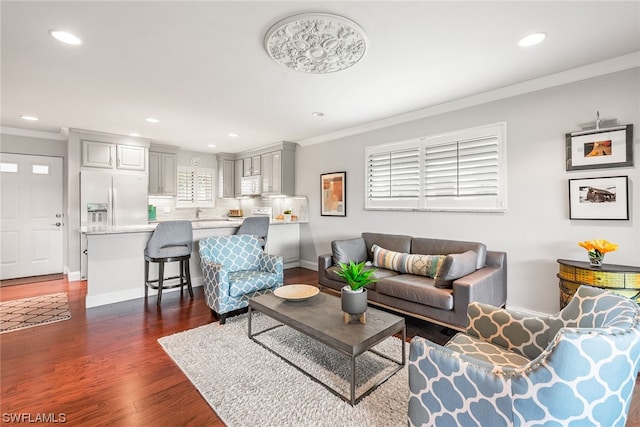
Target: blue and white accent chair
235, 268
575, 368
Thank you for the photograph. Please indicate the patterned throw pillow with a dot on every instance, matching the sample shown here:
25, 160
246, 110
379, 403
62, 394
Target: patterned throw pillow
418, 264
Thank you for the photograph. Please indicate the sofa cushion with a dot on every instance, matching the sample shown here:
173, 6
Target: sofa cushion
417, 289
422, 265
394, 242
349, 250
422, 245
379, 273
454, 267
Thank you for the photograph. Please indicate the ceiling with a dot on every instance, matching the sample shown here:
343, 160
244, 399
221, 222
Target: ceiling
201, 68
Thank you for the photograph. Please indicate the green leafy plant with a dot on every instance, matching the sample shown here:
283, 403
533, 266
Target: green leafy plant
355, 275
287, 212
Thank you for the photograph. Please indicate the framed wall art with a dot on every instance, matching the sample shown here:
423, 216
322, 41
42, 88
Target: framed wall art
599, 198
600, 148
333, 187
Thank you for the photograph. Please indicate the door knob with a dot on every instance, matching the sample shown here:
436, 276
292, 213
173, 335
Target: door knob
57, 224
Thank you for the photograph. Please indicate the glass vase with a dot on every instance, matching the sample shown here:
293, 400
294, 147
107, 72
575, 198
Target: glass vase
596, 260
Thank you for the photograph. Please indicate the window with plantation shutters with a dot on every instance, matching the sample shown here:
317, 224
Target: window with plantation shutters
195, 187
457, 171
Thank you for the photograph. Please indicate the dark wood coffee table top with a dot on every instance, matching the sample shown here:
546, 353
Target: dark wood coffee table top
321, 318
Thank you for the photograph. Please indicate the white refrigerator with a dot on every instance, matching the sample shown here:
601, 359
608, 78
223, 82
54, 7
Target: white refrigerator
113, 200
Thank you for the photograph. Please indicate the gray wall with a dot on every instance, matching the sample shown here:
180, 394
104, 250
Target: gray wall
535, 230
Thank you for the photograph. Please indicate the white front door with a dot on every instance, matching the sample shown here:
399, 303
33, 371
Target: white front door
32, 220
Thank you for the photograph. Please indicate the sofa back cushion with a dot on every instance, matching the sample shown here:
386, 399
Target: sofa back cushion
349, 250
454, 267
422, 245
393, 242
421, 265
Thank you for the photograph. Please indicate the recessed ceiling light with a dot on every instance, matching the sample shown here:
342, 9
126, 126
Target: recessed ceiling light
317, 114
65, 37
134, 134
152, 120
211, 145
233, 134
531, 39
30, 118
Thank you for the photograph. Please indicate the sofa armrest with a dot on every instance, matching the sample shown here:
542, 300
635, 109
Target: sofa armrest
216, 283
522, 334
325, 261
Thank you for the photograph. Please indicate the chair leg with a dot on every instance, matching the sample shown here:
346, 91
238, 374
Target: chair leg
187, 272
223, 318
181, 275
160, 280
146, 279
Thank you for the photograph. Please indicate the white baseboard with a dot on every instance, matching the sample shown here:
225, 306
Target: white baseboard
114, 297
73, 276
309, 264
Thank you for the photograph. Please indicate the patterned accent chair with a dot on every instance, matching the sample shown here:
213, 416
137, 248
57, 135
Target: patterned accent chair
575, 368
235, 269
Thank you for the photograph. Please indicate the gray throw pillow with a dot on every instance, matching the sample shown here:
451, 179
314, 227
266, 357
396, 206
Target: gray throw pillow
454, 267
349, 250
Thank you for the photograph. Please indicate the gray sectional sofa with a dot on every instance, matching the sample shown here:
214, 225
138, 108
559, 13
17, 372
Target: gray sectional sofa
432, 279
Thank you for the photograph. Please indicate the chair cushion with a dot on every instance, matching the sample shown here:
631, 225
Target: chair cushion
482, 350
422, 265
246, 282
416, 289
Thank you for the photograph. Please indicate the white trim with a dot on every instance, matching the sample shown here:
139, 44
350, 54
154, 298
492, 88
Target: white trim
309, 265
609, 66
32, 133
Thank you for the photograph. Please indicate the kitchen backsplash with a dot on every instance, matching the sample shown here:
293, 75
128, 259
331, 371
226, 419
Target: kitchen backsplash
166, 210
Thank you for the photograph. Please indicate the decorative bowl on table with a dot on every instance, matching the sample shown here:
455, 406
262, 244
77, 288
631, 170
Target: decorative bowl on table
296, 292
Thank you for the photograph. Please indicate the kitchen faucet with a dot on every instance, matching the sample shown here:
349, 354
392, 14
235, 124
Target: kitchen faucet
198, 212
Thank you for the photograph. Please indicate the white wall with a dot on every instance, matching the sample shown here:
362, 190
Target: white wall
535, 230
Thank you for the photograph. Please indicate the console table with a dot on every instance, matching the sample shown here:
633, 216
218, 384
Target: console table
622, 279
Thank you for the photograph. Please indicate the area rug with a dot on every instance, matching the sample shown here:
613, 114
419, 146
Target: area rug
36, 311
247, 385
31, 279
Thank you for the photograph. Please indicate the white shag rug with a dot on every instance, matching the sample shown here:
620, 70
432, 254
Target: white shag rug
247, 385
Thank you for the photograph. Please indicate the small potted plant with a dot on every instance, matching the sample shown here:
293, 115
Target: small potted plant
287, 215
354, 294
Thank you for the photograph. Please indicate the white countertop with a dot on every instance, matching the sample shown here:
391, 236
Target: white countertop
197, 225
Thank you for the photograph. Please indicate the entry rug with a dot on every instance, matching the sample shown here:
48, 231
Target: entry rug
31, 279
247, 385
36, 311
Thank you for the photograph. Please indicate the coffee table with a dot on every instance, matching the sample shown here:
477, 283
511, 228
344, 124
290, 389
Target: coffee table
320, 318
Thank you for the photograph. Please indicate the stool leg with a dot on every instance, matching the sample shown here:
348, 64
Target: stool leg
146, 279
187, 273
160, 280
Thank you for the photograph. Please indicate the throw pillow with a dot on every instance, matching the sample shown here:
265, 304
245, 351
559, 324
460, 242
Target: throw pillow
454, 267
418, 264
349, 250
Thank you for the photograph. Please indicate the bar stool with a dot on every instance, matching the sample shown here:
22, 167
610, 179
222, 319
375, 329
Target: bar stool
257, 226
171, 241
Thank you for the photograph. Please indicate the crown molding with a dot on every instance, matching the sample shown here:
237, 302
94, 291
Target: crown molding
32, 133
597, 69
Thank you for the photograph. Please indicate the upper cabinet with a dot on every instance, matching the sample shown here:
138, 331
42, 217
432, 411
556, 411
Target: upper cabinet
227, 173
238, 171
163, 172
278, 171
113, 156
251, 166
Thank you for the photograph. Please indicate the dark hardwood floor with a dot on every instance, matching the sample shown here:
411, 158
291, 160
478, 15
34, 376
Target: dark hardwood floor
105, 367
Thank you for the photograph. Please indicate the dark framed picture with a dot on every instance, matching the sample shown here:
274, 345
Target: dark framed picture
599, 198
333, 188
604, 148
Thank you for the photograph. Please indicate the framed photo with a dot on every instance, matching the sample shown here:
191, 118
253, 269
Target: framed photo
604, 148
599, 198
333, 188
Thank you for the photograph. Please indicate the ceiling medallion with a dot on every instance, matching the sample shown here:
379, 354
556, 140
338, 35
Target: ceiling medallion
316, 43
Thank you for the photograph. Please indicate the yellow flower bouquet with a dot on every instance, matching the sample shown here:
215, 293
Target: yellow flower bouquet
596, 249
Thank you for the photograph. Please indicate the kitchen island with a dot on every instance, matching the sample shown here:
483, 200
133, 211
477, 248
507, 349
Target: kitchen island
115, 256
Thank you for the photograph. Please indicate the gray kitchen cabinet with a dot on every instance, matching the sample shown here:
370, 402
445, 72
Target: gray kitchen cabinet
162, 174
251, 166
113, 156
278, 171
238, 178
226, 175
